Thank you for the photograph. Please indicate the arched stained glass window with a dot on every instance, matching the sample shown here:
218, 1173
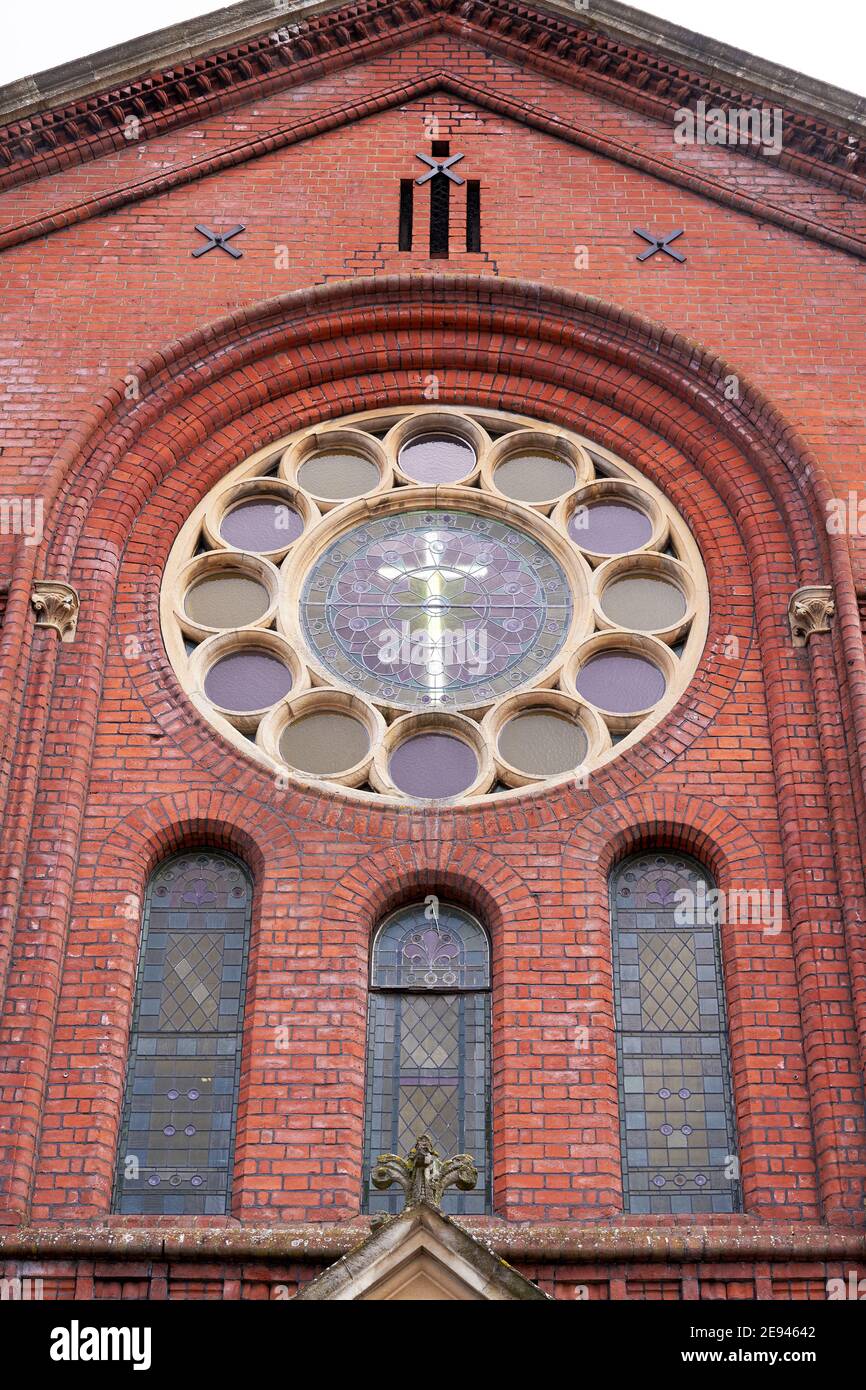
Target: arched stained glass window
177, 1133
428, 1045
676, 1111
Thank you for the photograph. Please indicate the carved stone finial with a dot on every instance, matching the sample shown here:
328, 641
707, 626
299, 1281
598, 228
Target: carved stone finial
423, 1175
56, 606
810, 610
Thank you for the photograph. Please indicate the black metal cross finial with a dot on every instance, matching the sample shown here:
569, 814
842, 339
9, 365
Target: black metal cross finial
439, 166
219, 239
659, 244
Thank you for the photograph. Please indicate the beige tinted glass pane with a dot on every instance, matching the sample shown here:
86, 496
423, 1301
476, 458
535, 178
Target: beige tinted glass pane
226, 600
668, 981
542, 742
643, 602
534, 477
325, 742
337, 473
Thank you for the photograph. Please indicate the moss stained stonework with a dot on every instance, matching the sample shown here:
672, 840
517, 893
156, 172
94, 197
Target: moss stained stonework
136, 377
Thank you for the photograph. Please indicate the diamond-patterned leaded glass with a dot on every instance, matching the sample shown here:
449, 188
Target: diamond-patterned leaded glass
676, 1110
428, 1048
436, 609
177, 1134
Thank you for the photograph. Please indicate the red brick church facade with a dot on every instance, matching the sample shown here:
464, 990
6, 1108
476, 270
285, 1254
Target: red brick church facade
135, 376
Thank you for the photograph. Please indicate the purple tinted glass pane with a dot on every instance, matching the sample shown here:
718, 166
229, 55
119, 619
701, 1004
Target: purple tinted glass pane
609, 528
261, 525
620, 682
433, 765
247, 680
437, 458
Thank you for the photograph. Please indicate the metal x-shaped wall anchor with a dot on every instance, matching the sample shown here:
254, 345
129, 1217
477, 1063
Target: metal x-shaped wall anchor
439, 166
219, 239
659, 244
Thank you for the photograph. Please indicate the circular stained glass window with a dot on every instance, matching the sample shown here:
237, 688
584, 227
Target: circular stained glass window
247, 680
443, 608
337, 474
437, 458
326, 742
433, 766
417, 604
261, 526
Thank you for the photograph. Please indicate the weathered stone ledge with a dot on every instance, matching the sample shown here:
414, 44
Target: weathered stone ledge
547, 1242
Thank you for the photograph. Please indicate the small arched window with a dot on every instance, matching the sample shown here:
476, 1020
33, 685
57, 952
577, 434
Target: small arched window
428, 1045
676, 1112
177, 1132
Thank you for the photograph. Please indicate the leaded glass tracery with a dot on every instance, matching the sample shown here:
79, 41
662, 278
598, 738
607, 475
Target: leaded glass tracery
177, 1132
482, 608
676, 1109
428, 1045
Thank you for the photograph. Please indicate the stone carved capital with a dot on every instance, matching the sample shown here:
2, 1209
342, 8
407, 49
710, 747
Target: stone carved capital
56, 605
810, 610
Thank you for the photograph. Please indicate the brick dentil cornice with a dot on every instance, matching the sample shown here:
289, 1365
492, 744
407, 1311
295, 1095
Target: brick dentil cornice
574, 51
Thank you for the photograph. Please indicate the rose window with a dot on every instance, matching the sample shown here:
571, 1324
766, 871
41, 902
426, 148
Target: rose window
434, 605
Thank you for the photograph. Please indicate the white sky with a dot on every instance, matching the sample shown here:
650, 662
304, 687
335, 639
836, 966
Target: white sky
827, 40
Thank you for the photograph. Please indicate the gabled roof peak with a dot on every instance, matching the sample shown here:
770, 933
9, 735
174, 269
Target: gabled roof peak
204, 35
79, 110
421, 1255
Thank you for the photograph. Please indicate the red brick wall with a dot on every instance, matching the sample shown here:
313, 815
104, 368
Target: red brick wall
757, 771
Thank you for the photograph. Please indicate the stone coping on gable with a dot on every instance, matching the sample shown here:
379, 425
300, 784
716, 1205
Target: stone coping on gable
80, 110
230, 24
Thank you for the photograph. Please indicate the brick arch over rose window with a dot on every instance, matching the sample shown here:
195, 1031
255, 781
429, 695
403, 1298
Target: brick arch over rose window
206, 400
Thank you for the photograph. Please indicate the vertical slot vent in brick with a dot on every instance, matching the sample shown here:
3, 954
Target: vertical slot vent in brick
440, 211
440, 204
473, 215
406, 204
